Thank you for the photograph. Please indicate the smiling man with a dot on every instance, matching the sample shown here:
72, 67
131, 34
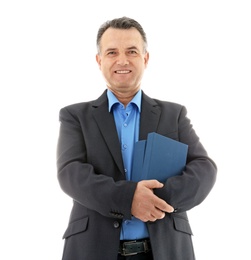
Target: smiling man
122, 58
114, 217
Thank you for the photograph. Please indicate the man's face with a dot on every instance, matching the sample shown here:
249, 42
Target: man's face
122, 59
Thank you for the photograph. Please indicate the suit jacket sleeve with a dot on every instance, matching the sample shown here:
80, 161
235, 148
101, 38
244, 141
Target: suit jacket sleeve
86, 168
193, 186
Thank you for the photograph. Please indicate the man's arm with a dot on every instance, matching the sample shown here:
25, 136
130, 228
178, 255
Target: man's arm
196, 181
79, 178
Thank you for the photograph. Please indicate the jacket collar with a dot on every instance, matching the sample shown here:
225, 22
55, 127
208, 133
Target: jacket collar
149, 119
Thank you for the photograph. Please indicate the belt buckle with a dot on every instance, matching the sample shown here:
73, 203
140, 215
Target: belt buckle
123, 253
146, 247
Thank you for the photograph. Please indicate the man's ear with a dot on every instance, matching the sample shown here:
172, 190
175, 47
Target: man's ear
146, 58
98, 60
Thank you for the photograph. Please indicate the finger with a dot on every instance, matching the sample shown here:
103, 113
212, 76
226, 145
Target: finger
158, 214
153, 184
168, 208
153, 218
162, 205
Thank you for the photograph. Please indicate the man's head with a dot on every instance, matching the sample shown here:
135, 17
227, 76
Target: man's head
122, 56
121, 23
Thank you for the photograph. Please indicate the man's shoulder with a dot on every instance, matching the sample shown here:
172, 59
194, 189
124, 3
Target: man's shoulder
168, 103
163, 103
74, 110
77, 106
80, 106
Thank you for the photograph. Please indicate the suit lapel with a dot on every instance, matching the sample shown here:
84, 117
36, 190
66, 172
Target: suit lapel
149, 118
106, 124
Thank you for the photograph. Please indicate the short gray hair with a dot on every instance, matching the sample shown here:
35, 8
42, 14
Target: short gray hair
123, 23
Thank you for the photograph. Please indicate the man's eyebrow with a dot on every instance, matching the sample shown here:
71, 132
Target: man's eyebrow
110, 49
132, 48
129, 48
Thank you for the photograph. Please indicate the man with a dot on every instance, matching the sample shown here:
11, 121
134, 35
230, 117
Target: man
114, 217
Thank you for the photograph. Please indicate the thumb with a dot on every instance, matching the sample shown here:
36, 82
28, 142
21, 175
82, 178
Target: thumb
153, 184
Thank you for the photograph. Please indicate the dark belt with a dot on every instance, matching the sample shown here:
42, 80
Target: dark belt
134, 247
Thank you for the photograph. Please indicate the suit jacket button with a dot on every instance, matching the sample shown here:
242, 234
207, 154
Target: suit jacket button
116, 224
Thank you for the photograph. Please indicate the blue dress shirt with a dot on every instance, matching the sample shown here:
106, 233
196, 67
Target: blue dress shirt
127, 124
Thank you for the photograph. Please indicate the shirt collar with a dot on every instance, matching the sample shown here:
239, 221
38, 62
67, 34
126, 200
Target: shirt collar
113, 100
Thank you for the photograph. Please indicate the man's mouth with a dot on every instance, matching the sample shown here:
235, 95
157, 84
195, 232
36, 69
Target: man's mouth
122, 71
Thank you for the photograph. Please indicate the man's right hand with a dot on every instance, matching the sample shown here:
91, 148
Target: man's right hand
146, 206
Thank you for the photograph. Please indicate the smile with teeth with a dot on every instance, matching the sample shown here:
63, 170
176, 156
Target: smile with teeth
122, 71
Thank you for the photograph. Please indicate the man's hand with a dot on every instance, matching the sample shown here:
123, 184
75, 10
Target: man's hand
146, 206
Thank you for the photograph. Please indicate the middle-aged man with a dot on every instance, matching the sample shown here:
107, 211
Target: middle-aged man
114, 217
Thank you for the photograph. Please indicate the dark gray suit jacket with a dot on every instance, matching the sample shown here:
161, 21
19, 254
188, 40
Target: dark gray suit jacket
91, 172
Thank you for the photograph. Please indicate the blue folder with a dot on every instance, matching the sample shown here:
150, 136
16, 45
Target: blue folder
158, 157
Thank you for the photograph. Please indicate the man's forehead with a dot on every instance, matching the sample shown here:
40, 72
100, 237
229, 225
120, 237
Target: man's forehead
121, 38
131, 34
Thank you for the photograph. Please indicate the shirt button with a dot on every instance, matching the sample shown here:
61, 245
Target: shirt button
125, 125
116, 224
124, 146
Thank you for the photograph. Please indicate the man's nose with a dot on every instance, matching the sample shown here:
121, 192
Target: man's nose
122, 60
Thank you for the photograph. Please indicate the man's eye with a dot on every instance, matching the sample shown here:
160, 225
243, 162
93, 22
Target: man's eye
111, 53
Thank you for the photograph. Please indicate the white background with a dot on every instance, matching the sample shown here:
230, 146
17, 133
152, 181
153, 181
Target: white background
199, 56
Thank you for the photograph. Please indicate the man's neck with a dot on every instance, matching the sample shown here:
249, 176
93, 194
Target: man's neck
125, 97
